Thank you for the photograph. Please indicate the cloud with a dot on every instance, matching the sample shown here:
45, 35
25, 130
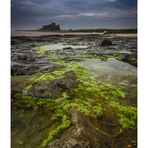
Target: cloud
37, 12
111, 0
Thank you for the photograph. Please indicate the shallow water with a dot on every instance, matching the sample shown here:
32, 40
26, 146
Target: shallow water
111, 70
30, 126
61, 46
125, 52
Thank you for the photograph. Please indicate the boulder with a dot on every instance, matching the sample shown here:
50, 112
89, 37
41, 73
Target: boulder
106, 42
80, 135
52, 88
22, 58
17, 70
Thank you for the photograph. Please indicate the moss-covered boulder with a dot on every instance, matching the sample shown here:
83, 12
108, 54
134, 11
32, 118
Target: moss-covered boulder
52, 88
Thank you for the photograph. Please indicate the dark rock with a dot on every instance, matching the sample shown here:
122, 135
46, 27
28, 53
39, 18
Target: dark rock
106, 42
53, 88
67, 48
85, 134
70, 143
23, 58
18, 84
130, 58
79, 135
17, 70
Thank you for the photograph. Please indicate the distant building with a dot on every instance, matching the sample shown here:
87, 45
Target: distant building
51, 27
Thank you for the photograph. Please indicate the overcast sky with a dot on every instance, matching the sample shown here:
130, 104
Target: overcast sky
32, 14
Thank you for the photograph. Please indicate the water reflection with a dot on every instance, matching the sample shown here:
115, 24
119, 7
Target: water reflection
111, 70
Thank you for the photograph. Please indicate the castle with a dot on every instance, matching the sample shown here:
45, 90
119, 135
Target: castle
51, 27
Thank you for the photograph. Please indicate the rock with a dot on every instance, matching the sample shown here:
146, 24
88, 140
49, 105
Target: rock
70, 143
23, 58
84, 131
53, 88
130, 58
106, 42
79, 135
67, 48
84, 134
17, 70
18, 84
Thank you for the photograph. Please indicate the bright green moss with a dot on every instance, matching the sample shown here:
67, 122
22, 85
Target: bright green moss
85, 98
32, 100
40, 50
127, 122
102, 90
127, 114
86, 107
52, 55
60, 114
61, 109
45, 76
110, 92
52, 134
20, 96
58, 74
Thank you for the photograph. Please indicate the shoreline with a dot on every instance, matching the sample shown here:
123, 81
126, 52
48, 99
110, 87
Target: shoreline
39, 33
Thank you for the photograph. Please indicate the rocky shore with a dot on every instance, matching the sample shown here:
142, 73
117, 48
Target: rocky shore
74, 91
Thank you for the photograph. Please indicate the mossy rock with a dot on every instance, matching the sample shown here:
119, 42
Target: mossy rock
52, 88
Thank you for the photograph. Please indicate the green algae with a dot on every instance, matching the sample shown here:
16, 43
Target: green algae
127, 114
61, 110
20, 96
100, 90
40, 50
52, 55
86, 107
57, 74
34, 102
59, 114
45, 76
64, 124
85, 98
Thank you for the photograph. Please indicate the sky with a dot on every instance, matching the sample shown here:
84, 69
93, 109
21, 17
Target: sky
74, 14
